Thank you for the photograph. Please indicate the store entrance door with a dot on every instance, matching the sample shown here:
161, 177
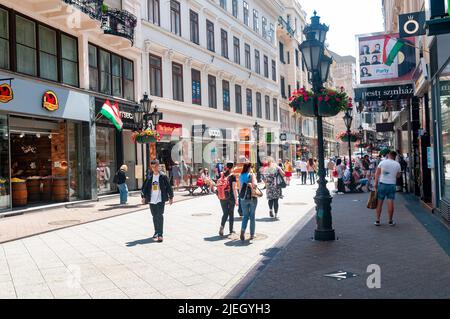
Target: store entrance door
39, 165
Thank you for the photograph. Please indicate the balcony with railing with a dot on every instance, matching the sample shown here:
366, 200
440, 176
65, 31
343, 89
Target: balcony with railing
285, 25
119, 23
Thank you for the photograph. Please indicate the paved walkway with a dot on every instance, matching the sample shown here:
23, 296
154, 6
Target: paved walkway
115, 258
37, 222
413, 257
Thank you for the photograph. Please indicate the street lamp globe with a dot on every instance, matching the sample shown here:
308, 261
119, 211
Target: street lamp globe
348, 119
320, 30
311, 50
138, 115
155, 116
325, 63
146, 103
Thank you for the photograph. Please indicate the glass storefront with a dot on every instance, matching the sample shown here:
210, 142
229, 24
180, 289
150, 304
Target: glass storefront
444, 87
106, 159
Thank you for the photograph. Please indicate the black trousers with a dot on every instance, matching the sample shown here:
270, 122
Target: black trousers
157, 211
228, 211
304, 175
273, 203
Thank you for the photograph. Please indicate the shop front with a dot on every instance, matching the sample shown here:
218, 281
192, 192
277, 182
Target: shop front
42, 157
167, 149
115, 148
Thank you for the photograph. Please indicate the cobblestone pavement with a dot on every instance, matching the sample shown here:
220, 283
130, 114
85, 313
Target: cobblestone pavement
413, 257
115, 258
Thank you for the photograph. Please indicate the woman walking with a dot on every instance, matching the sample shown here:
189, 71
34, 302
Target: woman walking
247, 181
311, 168
273, 191
176, 175
288, 171
228, 196
121, 184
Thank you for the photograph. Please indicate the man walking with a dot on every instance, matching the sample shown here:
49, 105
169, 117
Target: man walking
385, 185
157, 191
297, 167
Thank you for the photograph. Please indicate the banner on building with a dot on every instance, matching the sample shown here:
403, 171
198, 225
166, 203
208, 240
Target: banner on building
384, 93
385, 58
385, 127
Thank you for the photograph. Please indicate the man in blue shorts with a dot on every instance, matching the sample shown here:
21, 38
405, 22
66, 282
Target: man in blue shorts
385, 185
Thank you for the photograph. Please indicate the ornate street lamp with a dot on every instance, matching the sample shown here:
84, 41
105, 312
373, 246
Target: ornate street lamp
257, 127
361, 141
318, 65
348, 118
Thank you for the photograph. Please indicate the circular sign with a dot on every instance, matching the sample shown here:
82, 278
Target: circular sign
411, 27
50, 101
6, 93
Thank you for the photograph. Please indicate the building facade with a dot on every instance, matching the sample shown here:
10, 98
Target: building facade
60, 61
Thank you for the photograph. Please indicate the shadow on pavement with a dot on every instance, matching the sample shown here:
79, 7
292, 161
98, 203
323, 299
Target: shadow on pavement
215, 238
141, 242
117, 206
238, 243
267, 219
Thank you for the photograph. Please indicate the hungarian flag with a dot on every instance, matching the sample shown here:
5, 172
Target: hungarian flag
391, 48
111, 112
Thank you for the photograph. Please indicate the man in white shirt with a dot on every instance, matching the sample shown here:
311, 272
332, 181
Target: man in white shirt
385, 185
157, 191
303, 170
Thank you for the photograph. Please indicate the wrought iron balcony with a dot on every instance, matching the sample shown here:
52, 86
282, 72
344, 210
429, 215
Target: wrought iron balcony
93, 8
283, 23
119, 22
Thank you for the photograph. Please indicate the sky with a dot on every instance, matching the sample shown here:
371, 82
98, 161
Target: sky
346, 19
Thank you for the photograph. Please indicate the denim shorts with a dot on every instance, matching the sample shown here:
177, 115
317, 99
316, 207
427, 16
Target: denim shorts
386, 191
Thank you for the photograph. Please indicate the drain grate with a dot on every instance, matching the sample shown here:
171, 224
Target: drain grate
201, 214
64, 222
296, 204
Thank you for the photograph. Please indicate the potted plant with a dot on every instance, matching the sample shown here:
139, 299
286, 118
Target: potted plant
147, 136
329, 102
344, 136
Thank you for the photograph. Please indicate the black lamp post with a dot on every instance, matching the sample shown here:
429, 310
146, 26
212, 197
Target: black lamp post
302, 144
338, 147
257, 127
318, 65
348, 118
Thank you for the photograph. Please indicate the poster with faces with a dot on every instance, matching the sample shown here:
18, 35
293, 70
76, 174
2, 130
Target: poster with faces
371, 65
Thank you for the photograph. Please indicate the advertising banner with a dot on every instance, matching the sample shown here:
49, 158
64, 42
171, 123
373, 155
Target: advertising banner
385, 58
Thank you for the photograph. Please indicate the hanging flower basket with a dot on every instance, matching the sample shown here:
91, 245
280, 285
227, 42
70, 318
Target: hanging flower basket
147, 136
344, 137
330, 102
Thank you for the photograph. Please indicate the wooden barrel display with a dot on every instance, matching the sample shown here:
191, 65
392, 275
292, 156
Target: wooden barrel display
19, 194
47, 189
59, 190
34, 190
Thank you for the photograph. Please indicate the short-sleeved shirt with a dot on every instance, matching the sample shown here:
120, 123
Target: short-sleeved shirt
389, 170
156, 190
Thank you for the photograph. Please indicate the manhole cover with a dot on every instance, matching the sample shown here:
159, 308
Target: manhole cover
201, 214
296, 204
340, 275
64, 222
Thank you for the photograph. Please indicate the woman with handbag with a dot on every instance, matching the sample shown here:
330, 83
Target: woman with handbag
249, 200
273, 188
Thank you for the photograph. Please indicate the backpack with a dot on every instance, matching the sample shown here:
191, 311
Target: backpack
116, 178
223, 187
246, 189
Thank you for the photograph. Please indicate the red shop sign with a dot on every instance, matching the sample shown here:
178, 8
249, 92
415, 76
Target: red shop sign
170, 129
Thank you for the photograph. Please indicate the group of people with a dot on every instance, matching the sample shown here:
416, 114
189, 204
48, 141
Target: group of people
237, 186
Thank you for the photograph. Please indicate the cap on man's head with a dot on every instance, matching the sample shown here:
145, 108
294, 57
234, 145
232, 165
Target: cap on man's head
154, 162
230, 165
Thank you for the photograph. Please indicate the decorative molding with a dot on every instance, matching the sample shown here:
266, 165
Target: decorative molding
168, 54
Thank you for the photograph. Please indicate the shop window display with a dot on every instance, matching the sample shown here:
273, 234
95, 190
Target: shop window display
444, 85
4, 163
106, 159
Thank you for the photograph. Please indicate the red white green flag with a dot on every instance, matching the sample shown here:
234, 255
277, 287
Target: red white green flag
391, 48
112, 113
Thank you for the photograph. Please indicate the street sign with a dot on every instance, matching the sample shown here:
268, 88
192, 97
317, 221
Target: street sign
412, 24
340, 275
283, 137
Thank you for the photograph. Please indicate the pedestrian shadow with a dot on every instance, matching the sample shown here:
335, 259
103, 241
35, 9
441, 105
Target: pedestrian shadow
238, 219
141, 242
238, 243
267, 219
215, 238
117, 206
